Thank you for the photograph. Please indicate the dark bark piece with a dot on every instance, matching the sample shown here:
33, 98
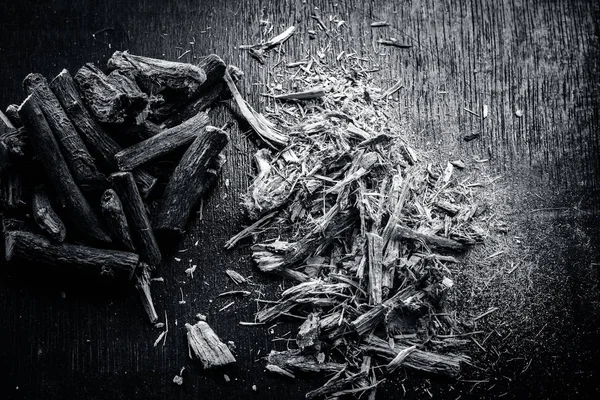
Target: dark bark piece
137, 217
109, 99
161, 144
35, 248
206, 346
418, 360
100, 144
12, 112
75, 153
47, 150
12, 142
152, 72
135, 99
115, 219
11, 189
142, 285
208, 93
190, 180
45, 216
434, 241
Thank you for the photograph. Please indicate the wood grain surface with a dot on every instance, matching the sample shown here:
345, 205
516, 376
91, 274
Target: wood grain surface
66, 340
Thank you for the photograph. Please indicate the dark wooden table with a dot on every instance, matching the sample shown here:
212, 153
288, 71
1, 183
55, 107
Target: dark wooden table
59, 340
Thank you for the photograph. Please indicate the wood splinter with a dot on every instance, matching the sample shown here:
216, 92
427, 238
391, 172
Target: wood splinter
37, 249
262, 126
205, 346
434, 241
142, 285
193, 175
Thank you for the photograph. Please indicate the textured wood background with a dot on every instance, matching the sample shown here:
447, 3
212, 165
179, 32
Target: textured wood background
541, 57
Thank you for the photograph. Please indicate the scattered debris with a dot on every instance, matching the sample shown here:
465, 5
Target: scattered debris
367, 229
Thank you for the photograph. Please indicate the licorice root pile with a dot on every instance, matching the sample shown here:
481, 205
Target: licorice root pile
79, 159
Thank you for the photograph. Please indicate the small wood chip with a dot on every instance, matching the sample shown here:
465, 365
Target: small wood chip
206, 346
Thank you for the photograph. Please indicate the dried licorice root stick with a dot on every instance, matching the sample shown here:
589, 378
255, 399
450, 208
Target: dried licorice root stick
48, 152
36, 248
152, 72
100, 144
208, 92
189, 180
76, 155
137, 217
161, 144
45, 216
115, 219
112, 100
